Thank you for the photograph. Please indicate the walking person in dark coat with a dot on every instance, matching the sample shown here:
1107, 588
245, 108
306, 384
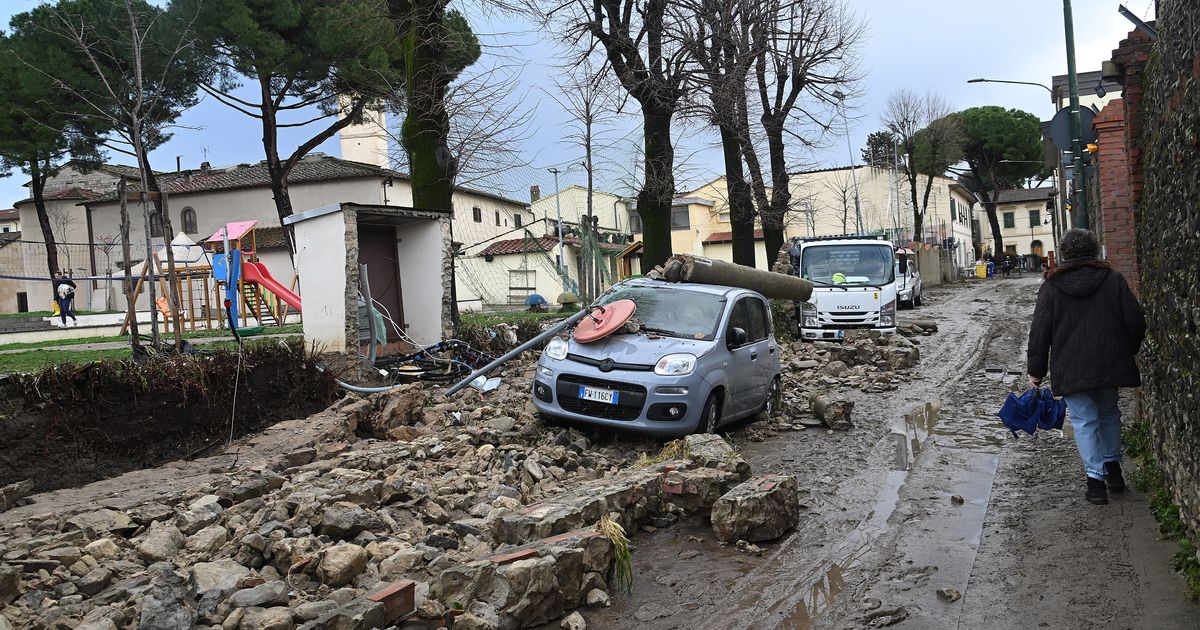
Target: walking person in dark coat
1090, 326
64, 294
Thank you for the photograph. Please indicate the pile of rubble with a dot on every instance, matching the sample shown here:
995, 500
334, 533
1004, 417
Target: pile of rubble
405, 505
482, 514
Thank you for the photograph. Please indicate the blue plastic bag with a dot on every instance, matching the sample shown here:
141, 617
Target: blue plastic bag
1035, 409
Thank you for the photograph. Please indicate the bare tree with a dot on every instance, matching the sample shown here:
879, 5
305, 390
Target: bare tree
61, 221
106, 245
137, 71
636, 38
805, 54
720, 42
928, 137
586, 94
842, 188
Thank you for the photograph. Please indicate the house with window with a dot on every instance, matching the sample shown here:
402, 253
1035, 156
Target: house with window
503, 270
10, 221
1025, 220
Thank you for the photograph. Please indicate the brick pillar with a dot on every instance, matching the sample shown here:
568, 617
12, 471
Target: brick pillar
1116, 218
1132, 56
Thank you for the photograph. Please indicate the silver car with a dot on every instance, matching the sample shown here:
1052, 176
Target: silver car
705, 356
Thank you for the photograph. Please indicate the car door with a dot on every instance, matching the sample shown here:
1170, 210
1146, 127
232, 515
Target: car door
741, 361
761, 351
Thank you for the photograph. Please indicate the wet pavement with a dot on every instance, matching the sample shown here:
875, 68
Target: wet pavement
883, 528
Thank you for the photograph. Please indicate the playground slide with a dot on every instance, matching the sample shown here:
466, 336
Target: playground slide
257, 272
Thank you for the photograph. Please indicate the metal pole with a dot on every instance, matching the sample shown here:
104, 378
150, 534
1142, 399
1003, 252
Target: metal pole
562, 261
853, 174
550, 332
1081, 216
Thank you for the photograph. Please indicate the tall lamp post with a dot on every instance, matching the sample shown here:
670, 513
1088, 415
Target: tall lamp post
841, 97
1081, 211
562, 267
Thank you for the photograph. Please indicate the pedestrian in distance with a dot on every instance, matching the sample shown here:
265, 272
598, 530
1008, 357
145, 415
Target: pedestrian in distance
1089, 326
64, 295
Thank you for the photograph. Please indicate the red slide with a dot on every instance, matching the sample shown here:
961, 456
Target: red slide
257, 272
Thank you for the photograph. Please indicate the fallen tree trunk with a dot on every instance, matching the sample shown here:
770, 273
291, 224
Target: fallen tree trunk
834, 410
690, 268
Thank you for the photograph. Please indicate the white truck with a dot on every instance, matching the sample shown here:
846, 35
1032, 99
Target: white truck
854, 285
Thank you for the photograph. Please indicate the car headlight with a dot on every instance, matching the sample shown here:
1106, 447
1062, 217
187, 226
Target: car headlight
887, 316
556, 349
808, 315
675, 365
904, 295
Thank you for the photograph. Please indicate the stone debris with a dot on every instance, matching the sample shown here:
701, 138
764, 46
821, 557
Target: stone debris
949, 595
886, 617
401, 504
761, 509
833, 411
573, 621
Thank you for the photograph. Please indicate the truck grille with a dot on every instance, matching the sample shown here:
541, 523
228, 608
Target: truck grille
631, 400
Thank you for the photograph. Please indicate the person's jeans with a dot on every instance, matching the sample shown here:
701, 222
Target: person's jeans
65, 309
1096, 419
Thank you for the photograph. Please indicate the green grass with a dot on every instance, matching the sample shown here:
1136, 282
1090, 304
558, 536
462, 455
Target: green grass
145, 330
1149, 478
508, 317
39, 359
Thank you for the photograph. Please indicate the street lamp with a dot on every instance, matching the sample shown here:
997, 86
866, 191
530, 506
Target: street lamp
562, 271
841, 97
1041, 85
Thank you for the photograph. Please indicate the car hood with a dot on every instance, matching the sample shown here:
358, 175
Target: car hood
637, 348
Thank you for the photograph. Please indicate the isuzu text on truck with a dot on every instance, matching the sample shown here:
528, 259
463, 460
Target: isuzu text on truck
854, 285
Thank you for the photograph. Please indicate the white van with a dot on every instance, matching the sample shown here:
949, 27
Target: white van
854, 285
908, 279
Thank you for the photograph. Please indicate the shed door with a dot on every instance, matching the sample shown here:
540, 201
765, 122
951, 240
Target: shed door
377, 250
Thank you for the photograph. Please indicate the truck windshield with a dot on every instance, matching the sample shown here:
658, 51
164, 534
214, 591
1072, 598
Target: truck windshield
672, 312
848, 265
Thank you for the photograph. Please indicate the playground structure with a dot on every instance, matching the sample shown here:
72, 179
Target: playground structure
223, 267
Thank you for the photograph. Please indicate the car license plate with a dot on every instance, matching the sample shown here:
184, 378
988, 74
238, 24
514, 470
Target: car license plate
598, 395
841, 334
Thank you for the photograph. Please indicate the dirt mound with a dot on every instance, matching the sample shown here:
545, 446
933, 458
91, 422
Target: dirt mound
73, 424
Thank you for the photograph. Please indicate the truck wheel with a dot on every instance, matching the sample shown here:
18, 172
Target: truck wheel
710, 415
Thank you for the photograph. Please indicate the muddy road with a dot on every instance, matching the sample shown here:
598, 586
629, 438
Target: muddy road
883, 527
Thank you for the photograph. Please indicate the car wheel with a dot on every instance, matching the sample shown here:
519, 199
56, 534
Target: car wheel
916, 301
771, 404
710, 416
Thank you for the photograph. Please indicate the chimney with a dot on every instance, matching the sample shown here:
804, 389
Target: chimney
535, 193
204, 167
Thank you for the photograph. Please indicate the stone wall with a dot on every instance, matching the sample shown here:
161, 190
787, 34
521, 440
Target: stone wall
1168, 235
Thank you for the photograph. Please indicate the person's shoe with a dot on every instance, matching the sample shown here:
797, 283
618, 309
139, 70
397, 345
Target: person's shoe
1097, 493
1116, 481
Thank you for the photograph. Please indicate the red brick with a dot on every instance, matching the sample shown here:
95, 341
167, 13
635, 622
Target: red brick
506, 558
398, 599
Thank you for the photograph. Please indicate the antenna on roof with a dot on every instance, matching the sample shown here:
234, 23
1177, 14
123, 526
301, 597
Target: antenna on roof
204, 152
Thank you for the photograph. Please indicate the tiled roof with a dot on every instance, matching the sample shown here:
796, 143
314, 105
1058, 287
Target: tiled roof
314, 168
1026, 194
66, 194
270, 238
9, 214
727, 237
543, 244
8, 237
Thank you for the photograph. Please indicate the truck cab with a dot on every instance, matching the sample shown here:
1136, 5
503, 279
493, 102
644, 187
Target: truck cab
854, 285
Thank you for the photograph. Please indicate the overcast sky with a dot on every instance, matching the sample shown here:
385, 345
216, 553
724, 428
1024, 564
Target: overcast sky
934, 45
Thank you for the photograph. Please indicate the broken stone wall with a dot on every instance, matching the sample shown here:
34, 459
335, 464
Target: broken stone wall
1168, 236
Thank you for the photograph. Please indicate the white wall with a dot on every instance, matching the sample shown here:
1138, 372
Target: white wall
321, 262
483, 284
419, 250
724, 252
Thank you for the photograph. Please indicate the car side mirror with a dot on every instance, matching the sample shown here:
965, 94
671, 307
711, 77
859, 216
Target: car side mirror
737, 337
903, 265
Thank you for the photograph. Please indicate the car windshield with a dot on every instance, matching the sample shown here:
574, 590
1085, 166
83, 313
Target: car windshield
848, 264
672, 312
